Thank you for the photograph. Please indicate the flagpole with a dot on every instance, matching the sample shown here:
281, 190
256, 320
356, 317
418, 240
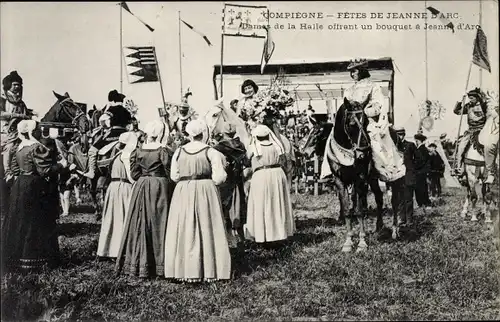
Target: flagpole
180, 50
222, 52
480, 25
159, 77
121, 50
461, 116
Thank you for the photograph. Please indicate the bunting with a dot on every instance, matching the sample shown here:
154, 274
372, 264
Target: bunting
267, 51
480, 53
124, 5
198, 32
442, 17
142, 65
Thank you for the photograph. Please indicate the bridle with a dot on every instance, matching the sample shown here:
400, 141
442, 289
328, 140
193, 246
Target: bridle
74, 119
362, 132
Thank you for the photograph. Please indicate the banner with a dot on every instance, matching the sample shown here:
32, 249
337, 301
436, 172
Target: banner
141, 64
245, 21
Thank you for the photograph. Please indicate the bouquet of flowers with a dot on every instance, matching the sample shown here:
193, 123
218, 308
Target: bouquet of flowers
267, 104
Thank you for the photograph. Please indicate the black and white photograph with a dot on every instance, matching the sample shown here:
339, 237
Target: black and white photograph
250, 161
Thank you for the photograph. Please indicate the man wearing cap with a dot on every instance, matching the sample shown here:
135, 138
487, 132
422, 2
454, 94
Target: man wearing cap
422, 167
446, 144
232, 191
476, 111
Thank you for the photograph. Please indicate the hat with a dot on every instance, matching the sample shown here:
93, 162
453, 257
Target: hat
26, 126
357, 63
184, 106
196, 127
154, 128
442, 136
228, 128
432, 145
475, 92
114, 96
260, 131
399, 129
249, 82
11, 78
420, 137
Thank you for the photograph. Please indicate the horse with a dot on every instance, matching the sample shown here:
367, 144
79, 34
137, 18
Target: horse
474, 182
347, 149
315, 143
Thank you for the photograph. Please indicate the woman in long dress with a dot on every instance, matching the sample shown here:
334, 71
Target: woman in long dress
364, 92
117, 199
29, 238
269, 214
196, 247
142, 247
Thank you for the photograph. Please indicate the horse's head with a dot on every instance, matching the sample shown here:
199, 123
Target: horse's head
355, 126
315, 141
65, 110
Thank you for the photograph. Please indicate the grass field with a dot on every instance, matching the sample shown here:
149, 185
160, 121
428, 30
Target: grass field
450, 271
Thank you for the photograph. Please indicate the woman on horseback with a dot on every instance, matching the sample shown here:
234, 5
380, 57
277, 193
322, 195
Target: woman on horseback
368, 95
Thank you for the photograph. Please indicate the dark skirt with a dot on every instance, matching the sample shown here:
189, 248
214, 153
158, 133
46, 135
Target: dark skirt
143, 243
29, 234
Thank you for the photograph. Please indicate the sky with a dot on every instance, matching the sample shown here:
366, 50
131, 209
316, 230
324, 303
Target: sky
75, 47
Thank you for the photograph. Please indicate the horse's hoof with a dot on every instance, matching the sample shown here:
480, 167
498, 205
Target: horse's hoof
347, 248
361, 248
488, 221
395, 234
474, 219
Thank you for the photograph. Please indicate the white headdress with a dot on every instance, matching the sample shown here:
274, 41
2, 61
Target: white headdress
260, 131
26, 127
197, 127
130, 140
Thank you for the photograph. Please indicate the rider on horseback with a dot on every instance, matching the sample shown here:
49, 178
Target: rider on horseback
476, 110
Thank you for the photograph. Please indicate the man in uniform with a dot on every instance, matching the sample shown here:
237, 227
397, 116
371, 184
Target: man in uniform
476, 110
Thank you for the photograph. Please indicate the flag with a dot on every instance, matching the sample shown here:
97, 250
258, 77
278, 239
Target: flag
142, 64
480, 53
198, 32
124, 5
268, 50
441, 16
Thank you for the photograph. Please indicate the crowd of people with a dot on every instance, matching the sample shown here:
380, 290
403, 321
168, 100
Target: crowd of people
177, 197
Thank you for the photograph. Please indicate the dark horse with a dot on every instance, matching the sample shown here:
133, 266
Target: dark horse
66, 111
350, 133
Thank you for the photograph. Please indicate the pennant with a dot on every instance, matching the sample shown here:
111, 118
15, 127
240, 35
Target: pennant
441, 16
142, 63
124, 5
268, 50
198, 32
480, 53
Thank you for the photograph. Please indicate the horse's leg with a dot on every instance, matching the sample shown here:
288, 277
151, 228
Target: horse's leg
344, 214
487, 201
465, 206
361, 211
93, 194
472, 182
343, 199
379, 199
